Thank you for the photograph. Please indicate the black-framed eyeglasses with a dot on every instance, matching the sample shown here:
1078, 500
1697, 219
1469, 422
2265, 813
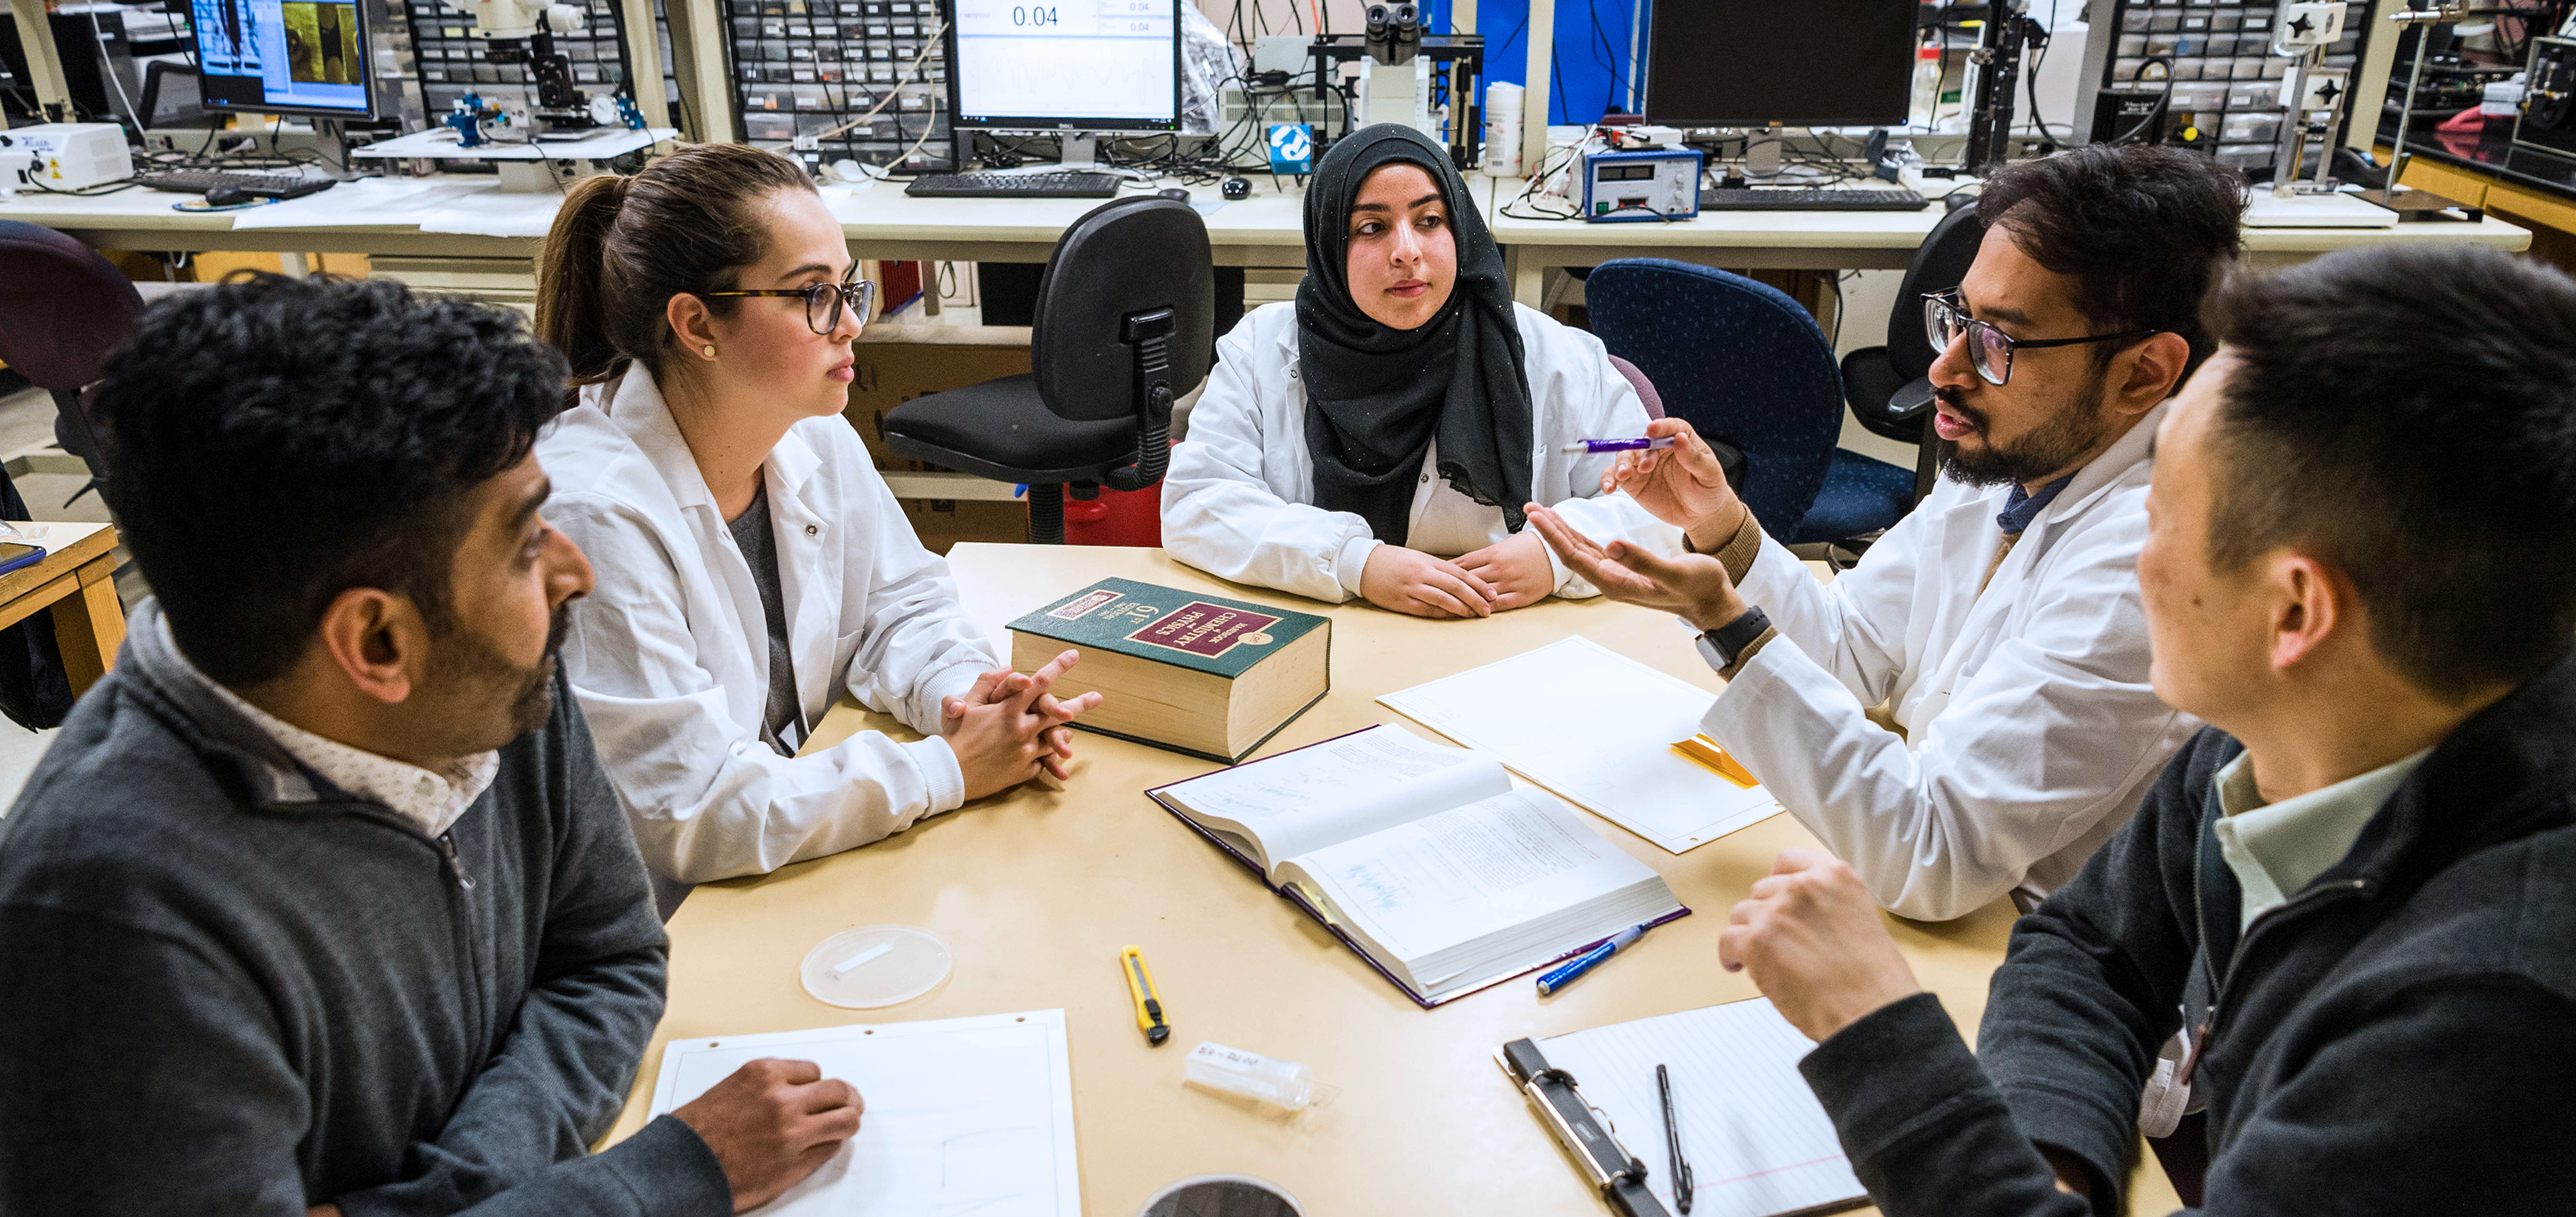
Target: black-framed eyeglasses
1990, 350
823, 301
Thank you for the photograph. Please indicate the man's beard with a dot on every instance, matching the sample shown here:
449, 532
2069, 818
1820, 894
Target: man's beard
2073, 431
484, 677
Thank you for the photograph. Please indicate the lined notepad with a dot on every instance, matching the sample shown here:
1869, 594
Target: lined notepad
1758, 1142
1597, 728
965, 1115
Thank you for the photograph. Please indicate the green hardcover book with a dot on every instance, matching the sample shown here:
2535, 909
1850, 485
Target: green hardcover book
1195, 673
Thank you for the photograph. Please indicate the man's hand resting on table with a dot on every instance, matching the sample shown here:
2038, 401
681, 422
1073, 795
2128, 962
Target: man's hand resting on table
1811, 936
1008, 728
1413, 582
1694, 587
1516, 567
771, 1124
1683, 485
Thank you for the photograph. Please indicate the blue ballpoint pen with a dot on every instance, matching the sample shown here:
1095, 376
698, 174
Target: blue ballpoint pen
1572, 969
1639, 444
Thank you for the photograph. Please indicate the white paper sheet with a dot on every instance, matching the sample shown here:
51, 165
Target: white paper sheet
497, 213
964, 1115
366, 201
1597, 728
1757, 1141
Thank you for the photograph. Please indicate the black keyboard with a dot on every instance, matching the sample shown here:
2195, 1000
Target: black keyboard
1752, 198
1069, 184
260, 185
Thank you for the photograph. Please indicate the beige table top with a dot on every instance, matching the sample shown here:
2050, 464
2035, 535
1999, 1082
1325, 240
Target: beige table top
880, 221
1864, 240
1037, 890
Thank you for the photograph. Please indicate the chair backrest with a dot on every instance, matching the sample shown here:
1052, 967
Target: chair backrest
62, 307
1939, 264
1740, 361
1125, 257
1644, 386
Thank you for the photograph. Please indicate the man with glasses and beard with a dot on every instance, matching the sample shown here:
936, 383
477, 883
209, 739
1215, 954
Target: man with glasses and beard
1967, 713
321, 903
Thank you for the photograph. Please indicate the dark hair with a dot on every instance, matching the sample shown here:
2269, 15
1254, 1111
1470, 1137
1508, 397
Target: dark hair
621, 247
273, 442
2143, 231
2408, 415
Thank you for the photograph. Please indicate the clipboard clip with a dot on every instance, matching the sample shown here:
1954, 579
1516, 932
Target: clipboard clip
1619, 1175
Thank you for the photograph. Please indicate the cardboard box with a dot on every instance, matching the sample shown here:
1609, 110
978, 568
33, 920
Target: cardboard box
899, 362
942, 523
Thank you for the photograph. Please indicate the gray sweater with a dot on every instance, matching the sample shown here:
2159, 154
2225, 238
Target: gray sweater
2398, 1038
230, 988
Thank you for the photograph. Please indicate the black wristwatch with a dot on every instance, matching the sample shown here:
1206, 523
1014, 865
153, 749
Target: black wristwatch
1722, 645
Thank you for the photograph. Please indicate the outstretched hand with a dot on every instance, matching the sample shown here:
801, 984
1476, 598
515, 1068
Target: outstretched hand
1694, 587
1683, 485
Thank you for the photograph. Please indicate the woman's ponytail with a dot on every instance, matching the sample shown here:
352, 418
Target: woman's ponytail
621, 247
571, 310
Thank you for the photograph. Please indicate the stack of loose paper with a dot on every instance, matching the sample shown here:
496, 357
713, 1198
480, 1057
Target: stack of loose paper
964, 1115
1597, 728
1757, 1141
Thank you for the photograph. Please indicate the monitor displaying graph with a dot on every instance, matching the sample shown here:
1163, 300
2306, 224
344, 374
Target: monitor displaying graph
1108, 65
282, 56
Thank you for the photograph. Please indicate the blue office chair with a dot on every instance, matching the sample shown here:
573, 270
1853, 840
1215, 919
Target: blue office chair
1747, 366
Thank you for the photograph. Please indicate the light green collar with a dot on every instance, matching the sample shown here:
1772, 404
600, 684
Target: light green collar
2277, 849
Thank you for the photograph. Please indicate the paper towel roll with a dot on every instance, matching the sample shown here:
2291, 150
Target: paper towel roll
1502, 130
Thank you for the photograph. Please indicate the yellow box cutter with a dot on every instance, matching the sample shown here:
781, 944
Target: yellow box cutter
1140, 986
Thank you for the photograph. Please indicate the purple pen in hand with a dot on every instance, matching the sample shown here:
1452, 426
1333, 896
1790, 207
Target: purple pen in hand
1639, 444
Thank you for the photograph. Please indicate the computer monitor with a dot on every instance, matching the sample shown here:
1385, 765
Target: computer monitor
1087, 66
307, 57
1802, 63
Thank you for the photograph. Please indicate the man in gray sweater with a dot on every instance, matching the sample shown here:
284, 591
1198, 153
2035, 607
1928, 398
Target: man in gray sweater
321, 902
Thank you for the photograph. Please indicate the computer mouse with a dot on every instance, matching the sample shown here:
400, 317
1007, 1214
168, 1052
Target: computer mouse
1236, 188
1174, 193
227, 196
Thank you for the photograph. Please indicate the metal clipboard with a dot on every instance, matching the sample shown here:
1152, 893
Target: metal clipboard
1606, 1164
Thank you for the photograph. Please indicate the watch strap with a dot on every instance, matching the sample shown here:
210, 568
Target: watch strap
1730, 640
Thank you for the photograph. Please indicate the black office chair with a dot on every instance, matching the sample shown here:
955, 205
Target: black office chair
1888, 387
1125, 317
63, 308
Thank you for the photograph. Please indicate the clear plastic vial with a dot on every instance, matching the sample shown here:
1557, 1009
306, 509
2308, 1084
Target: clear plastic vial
1283, 1084
1926, 107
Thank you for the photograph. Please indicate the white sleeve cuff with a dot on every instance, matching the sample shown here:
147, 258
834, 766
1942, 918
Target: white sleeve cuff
1353, 560
939, 773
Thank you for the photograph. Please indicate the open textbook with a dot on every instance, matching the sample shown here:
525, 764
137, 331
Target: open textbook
1424, 858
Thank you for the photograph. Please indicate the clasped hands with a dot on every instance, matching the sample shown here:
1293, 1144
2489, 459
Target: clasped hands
1009, 727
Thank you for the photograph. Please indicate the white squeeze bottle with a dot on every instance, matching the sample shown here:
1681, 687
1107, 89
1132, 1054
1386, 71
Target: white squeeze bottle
1927, 87
1283, 1084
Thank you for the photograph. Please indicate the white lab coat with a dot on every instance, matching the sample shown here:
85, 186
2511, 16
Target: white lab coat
669, 655
2031, 731
1239, 499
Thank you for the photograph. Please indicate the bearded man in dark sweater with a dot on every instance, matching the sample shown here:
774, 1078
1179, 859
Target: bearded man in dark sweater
321, 902
2354, 892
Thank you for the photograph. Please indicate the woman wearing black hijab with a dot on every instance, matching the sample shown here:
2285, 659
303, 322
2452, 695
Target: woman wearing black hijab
1378, 437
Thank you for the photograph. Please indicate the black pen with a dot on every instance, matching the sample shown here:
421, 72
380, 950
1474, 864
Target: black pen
1673, 1140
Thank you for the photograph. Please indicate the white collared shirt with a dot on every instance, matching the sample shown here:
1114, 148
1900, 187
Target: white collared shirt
431, 799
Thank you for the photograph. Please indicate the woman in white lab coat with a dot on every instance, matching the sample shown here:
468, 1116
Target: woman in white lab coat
1378, 436
751, 563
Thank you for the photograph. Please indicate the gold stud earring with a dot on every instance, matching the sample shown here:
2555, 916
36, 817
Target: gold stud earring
711, 350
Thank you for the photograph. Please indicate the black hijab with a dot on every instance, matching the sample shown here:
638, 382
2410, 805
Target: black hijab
1377, 396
